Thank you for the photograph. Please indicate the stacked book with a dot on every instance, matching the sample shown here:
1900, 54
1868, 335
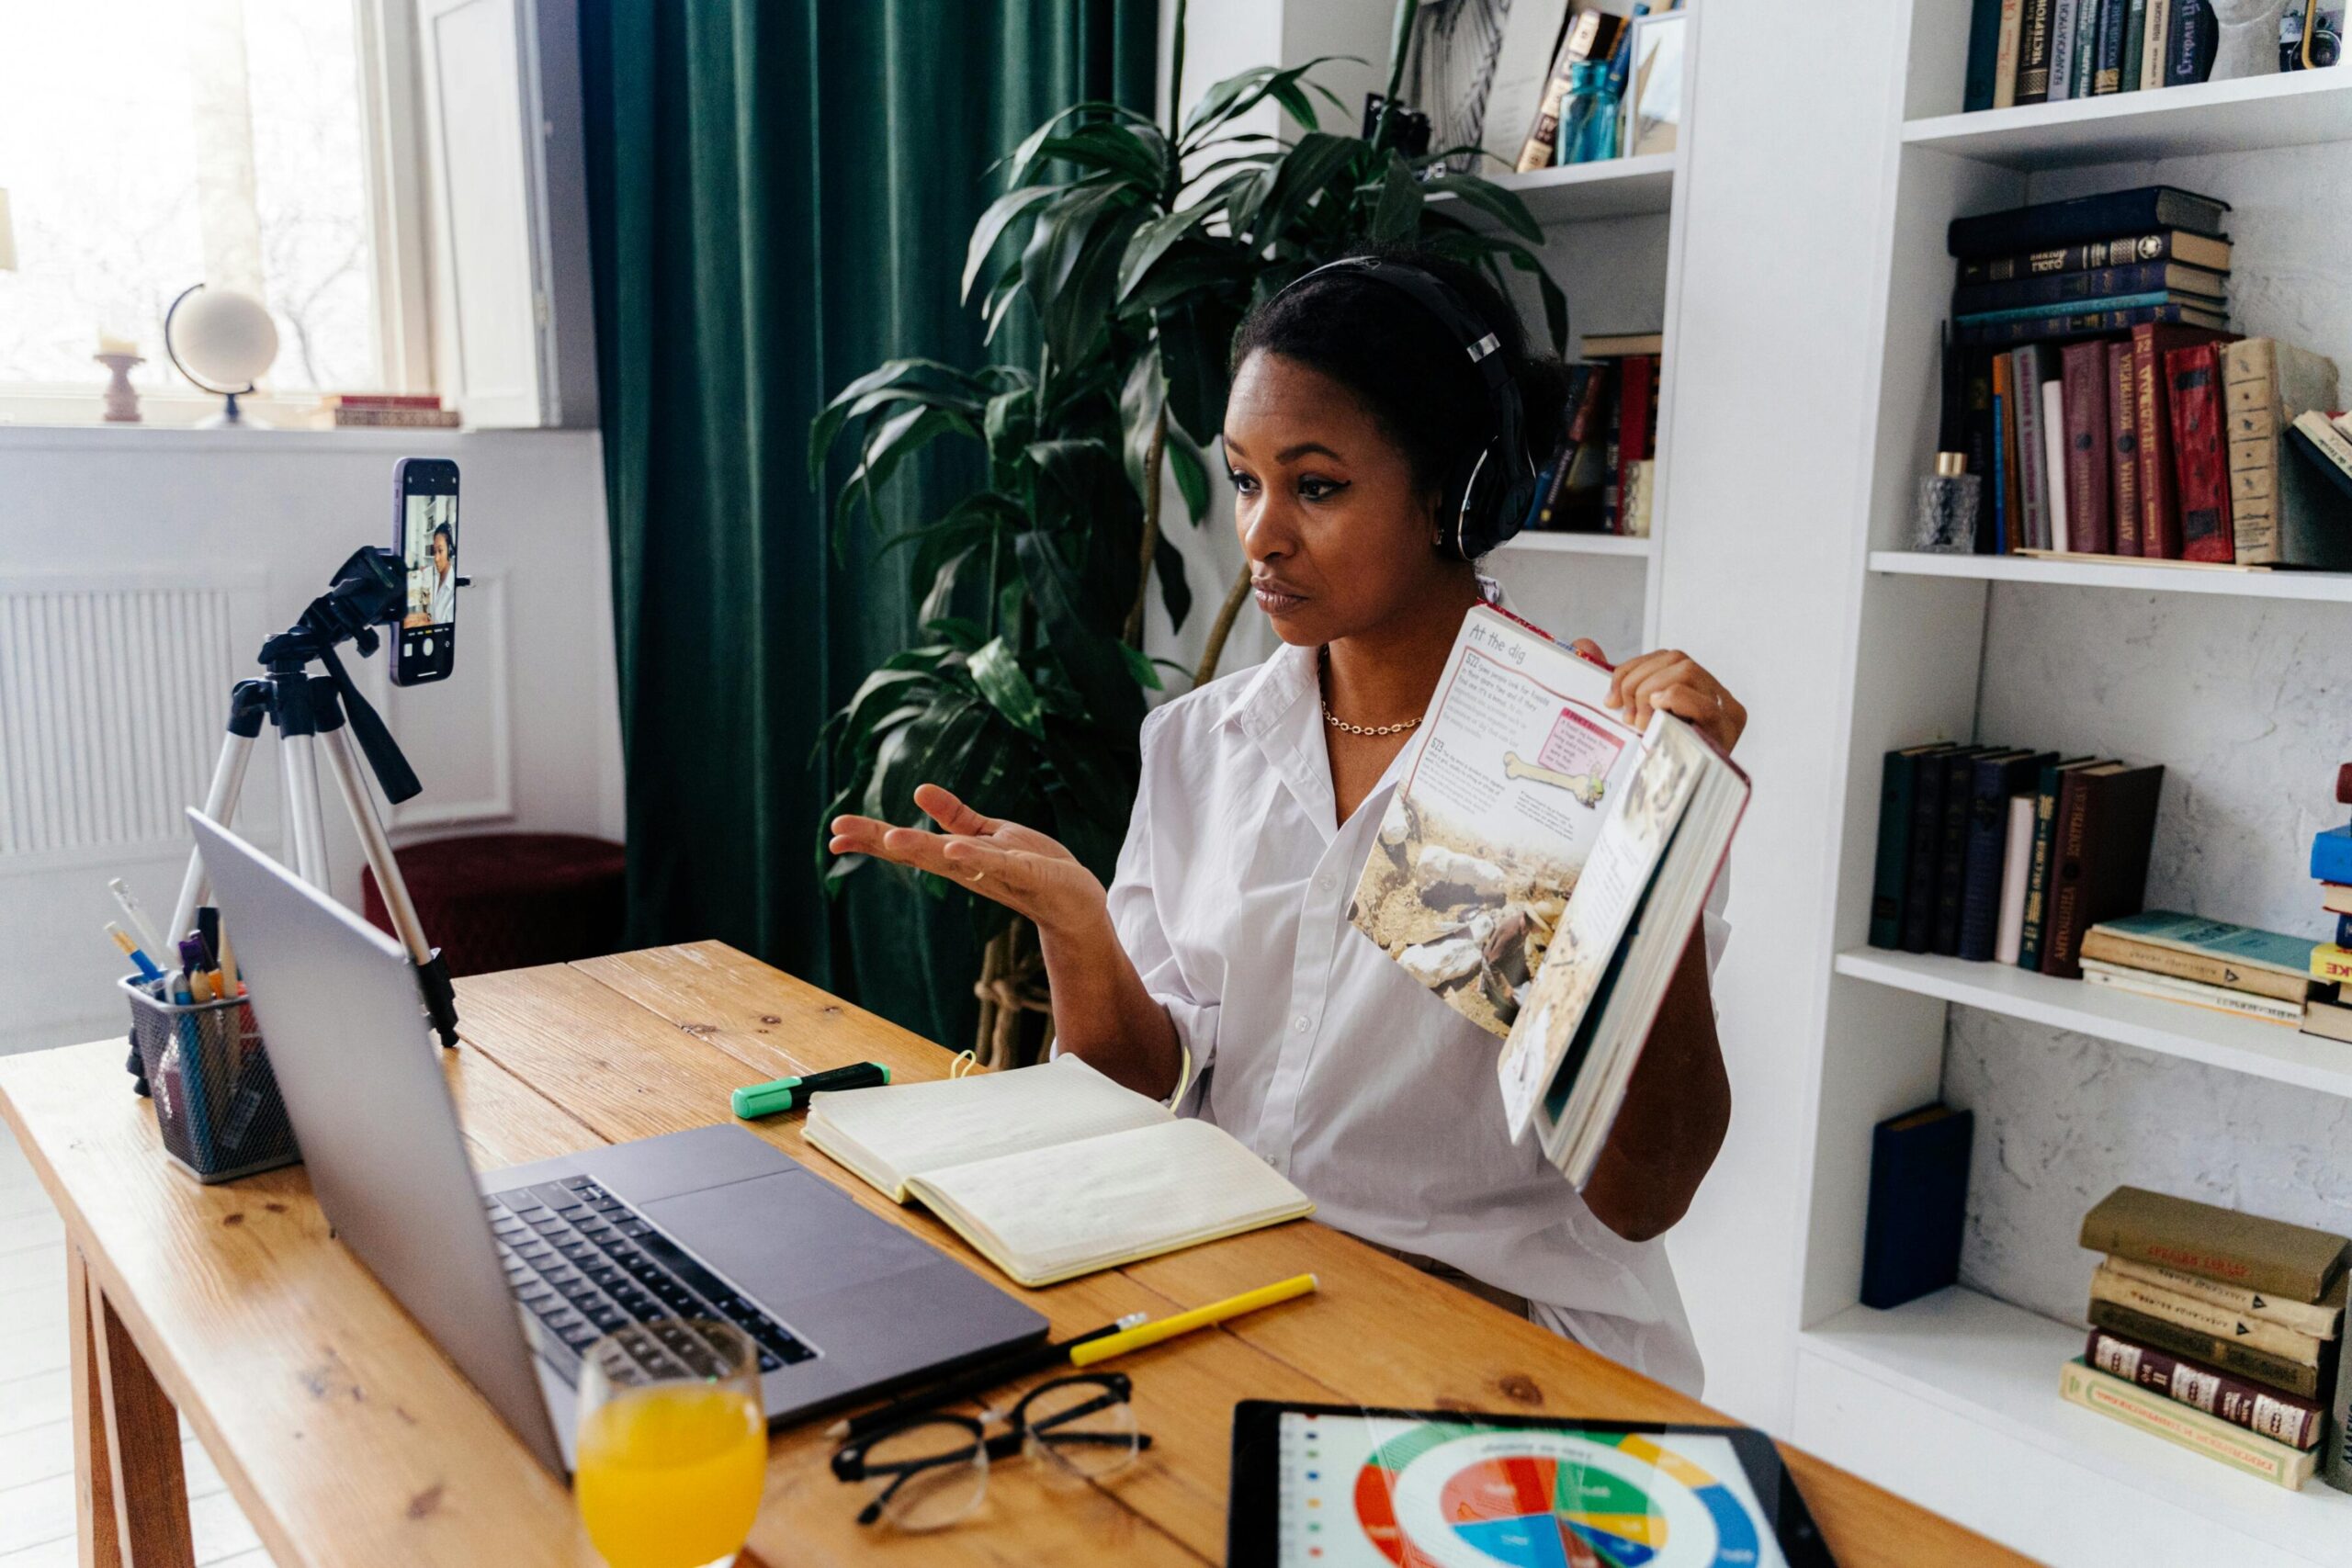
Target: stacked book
382, 411
1601, 478
2326, 1013
2217, 1331
2009, 855
2107, 408
2033, 51
2238, 970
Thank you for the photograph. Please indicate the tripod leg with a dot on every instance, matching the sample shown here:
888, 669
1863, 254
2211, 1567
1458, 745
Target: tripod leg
433, 975
220, 804
303, 823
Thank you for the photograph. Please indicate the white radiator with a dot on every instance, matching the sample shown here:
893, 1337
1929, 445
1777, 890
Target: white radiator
114, 692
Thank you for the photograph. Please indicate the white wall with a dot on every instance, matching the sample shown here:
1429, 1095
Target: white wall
284, 509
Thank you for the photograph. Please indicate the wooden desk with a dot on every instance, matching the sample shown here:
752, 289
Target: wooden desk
347, 1438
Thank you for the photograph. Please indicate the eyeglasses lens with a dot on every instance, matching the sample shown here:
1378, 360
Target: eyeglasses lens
927, 1476
1082, 1430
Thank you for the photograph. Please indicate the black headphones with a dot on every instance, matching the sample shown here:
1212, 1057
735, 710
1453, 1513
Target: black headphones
1486, 499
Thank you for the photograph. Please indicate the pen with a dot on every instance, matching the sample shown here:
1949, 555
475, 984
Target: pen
229, 967
979, 1380
787, 1094
132, 951
208, 931
1185, 1322
135, 917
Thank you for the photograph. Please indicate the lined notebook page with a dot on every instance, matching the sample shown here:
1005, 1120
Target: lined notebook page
1050, 1213
897, 1132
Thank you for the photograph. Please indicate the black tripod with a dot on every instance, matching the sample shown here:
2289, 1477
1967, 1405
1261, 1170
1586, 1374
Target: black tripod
366, 593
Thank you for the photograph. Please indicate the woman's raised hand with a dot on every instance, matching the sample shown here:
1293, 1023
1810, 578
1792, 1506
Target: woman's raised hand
1019, 867
1670, 680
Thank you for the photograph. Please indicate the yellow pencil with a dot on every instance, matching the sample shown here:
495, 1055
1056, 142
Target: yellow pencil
1136, 1338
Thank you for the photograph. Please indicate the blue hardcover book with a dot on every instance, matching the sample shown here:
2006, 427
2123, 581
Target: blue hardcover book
2090, 285
2332, 855
2084, 321
2087, 41
2000, 477
1918, 1205
2064, 15
2051, 225
1995, 780
2344, 931
2074, 307
1983, 44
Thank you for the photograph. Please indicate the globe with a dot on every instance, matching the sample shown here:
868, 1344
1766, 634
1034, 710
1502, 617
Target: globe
222, 339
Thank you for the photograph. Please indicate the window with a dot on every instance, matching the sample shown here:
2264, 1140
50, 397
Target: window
343, 161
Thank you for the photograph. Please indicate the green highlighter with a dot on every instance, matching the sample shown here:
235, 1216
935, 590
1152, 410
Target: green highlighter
759, 1100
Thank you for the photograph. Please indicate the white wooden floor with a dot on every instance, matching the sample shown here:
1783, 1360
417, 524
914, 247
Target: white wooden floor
36, 1409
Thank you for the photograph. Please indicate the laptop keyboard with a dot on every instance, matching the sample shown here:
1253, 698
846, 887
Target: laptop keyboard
583, 1264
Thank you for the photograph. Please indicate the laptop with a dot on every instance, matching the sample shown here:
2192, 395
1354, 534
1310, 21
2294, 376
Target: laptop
517, 1272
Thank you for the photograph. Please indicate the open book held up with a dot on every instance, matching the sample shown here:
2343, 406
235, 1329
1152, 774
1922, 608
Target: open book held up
1051, 1171
1541, 868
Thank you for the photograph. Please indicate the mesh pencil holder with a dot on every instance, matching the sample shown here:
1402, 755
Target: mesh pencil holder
216, 1101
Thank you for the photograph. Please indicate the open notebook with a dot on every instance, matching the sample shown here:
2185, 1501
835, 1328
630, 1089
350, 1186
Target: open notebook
1051, 1171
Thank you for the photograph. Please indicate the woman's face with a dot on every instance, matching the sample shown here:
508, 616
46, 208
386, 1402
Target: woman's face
1339, 539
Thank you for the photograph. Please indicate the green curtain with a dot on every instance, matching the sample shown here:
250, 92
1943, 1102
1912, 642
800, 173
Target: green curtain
779, 195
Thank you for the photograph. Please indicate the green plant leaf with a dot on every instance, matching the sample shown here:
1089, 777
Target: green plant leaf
1240, 92
923, 380
1150, 242
1141, 402
998, 674
1184, 461
1135, 154
886, 448
1492, 199
1195, 335
1397, 214
1175, 593
1022, 156
1140, 667
1317, 161
1090, 659
993, 222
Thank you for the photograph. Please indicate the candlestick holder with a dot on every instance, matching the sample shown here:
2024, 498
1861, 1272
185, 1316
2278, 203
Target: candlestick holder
122, 398
1945, 522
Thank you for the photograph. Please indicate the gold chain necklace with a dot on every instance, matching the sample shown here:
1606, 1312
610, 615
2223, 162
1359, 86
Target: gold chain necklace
1323, 664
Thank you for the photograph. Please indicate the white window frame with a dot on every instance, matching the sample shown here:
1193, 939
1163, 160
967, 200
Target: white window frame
411, 261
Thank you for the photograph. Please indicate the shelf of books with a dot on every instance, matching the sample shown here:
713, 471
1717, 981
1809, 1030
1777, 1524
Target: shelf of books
2115, 572
1991, 1366
2286, 109
2113, 321
2265, 1049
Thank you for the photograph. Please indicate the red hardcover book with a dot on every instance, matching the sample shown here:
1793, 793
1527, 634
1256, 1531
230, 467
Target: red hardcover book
2090, 525
2159, 485
2098, 857
2200, 453
1634, 396
2257, 1407
2123, 428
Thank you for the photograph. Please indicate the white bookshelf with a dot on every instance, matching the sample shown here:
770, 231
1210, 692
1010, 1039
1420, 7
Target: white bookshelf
2117, 572
1612, 236
1954, 1400
1581, 545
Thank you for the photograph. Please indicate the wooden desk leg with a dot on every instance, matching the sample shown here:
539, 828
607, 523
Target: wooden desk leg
93, 1469
139, 1436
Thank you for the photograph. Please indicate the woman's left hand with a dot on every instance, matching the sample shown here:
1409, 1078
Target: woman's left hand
1670, 680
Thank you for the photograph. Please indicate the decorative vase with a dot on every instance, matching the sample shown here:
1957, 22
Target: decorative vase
1945, 522
122, 398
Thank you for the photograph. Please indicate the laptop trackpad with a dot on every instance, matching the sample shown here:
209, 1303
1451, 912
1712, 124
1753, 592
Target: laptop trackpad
788, 1236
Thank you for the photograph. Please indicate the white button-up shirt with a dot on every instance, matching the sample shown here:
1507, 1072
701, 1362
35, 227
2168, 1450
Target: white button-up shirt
1324, 1056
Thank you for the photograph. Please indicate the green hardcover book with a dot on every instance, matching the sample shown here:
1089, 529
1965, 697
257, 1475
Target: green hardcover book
1899, 782
2250, 1251
2037, 882
2245, 946
2135, 43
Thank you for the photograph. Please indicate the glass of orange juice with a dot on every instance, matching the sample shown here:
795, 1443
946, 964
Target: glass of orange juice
673, 1444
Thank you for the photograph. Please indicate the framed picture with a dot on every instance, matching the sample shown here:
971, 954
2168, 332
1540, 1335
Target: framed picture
1654, 90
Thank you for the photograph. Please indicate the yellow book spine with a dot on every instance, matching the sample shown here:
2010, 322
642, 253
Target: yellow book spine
2185, 1427
2330, 962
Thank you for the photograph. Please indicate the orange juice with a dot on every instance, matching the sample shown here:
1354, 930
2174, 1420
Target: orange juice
669, 1476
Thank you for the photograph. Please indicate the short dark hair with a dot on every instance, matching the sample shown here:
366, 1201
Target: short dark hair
443, 531
1404, 366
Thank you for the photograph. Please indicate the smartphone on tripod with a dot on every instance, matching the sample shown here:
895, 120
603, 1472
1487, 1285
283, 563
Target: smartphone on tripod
425, 535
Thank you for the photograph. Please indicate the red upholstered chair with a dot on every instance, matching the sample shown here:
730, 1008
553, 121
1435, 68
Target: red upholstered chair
508, 900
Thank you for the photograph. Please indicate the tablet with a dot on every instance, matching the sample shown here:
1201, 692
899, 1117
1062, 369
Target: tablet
1344, 1486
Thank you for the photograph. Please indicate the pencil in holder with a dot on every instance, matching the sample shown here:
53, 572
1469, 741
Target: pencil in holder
208, 1073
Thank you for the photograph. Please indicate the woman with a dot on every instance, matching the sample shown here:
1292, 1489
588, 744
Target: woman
1220, 969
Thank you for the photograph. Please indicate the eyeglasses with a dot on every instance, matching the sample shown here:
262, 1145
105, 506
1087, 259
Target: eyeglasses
932, 1471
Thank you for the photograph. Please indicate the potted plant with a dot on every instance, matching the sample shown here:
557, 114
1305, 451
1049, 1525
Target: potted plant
1111, 274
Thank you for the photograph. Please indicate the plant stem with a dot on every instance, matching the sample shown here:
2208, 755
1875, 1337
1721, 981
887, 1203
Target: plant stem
1149, 547
1400, 40
1223, 629
1176, 75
